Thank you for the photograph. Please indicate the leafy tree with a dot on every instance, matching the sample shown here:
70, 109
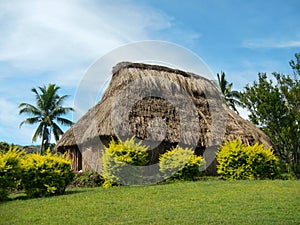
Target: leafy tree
4, 147
296, 65
231, 97
274, 105
46, 113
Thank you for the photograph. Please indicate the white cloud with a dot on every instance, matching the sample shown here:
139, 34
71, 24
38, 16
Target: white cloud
54, 41
268, 43
52, 34
43, 34
9, 124
8, 112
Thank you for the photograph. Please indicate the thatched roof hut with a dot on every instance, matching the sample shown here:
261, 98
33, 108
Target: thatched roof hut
162, 107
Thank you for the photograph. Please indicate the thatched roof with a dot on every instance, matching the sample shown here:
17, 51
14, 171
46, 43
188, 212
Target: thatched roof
159, 103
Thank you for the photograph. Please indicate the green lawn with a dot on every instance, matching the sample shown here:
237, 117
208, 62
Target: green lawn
203, 202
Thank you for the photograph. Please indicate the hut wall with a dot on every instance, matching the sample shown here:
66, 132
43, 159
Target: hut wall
74, 155
91, 154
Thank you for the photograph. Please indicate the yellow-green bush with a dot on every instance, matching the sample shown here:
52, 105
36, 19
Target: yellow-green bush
238, 161
180, 164
10, 170
45, 175
122, 162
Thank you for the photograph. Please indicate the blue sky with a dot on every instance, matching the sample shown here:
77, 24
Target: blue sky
56, 41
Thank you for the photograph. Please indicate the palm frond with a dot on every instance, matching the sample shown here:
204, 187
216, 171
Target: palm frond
235, 94
230, 96
32, 120
60, 111
38, 98
61, 100
64, 121
29, 109
228, 88
38, 132
234, 109
221, 82
57, 132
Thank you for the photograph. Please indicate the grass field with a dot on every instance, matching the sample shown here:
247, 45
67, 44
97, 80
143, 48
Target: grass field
203, 202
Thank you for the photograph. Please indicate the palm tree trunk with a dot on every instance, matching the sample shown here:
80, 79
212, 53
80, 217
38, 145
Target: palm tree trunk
43, 140
42, 146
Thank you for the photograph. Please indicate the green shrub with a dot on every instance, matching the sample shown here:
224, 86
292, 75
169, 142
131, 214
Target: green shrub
45, 175
287, 172
180, 164
4, 147
10, 170
87, 179
122, 163
238, 161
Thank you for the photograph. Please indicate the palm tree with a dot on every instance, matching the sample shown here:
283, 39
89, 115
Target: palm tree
231, 97
47, 114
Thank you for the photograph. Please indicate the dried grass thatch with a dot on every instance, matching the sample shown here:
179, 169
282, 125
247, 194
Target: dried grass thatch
162, 107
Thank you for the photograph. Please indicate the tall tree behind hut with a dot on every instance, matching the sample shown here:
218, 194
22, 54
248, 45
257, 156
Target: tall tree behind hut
230, 96
47, 113
274, 106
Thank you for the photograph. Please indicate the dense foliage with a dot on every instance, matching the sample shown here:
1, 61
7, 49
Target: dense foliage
122, 162
4, 147
37, 175
274, 105
10, 170
238, 161
87, 179
180, 164
46, 113
44, 175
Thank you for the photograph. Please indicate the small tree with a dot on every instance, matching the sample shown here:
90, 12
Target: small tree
275, 107
296, 65
46, 113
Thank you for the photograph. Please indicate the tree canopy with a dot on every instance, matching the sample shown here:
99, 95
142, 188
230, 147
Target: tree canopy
274, 106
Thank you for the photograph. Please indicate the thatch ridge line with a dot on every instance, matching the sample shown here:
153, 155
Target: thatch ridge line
122, 65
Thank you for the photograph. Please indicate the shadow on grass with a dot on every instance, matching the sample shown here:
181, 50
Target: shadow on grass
71, 191
23, 196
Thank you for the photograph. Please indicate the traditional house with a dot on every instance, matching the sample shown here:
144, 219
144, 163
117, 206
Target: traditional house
162, 107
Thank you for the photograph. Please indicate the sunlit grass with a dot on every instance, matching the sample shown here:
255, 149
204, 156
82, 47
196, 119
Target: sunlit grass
203, 202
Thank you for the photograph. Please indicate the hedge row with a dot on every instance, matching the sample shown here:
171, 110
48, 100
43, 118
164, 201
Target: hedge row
123, 163
37, 175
